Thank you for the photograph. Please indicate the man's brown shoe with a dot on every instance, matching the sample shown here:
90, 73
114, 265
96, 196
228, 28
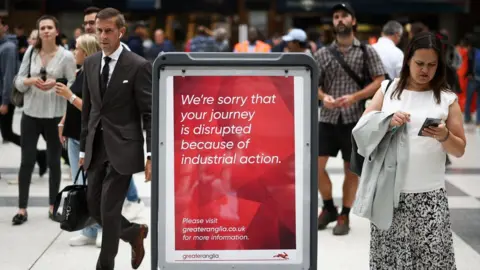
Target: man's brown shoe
325, 218
343, 225
138, 251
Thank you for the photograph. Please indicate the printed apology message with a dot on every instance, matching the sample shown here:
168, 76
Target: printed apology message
203, 126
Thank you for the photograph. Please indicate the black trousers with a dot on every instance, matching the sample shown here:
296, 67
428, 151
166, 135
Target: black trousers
106, 194
31, 128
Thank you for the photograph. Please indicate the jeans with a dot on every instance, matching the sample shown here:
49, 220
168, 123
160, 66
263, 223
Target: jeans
471, 89
73, 155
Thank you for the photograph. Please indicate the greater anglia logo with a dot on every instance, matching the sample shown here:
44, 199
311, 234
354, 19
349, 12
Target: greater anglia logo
200, 256
283, 255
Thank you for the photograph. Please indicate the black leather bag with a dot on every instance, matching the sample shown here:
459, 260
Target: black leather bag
75, 215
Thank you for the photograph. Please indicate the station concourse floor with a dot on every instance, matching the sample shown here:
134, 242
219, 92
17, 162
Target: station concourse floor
39, 244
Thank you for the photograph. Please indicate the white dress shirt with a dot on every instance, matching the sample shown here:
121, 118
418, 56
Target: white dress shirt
391, 56
113, 62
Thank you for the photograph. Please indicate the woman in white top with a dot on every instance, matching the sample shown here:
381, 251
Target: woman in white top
43, 64
420, 236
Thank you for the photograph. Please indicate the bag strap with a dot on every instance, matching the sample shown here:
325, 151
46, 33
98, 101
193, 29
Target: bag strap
30, 63
366, 72
84, 175
345, 66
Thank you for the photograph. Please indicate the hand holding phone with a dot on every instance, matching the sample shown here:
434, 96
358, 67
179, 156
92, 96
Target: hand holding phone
429, 122
62, 80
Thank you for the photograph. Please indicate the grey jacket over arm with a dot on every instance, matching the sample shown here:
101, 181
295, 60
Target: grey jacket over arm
384, 169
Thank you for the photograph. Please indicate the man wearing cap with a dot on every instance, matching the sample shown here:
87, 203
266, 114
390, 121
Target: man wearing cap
296, 41
343, 97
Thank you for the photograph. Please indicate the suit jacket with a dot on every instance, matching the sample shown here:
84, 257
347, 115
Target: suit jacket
126, 102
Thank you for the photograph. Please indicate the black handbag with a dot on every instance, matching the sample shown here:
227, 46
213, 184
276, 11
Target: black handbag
75, 215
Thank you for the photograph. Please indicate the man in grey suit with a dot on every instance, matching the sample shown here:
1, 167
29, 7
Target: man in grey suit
116, 98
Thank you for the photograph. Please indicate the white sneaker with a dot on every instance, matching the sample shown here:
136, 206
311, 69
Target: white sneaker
81, 240
98, 241
131, 210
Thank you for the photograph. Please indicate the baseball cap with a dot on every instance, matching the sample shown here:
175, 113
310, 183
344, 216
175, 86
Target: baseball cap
295, 34
344, 6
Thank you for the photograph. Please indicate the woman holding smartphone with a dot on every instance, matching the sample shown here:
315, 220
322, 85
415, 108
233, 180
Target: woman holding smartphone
420, 236
42, 109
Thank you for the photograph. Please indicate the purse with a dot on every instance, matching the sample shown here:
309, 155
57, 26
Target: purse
75, 215
16, 97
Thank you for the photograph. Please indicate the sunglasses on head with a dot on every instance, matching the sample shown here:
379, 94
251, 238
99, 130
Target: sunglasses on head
43, 74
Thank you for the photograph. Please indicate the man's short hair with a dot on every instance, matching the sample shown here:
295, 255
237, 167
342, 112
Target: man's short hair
91, 10
2, 21
109, 13
391, 28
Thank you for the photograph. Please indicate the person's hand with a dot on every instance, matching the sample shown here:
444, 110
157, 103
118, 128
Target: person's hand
60, 135
148, 171
80, 161
329, 102
3, 109
49, 84
346, 100
37, 82
399, 118
63, 91
438, 133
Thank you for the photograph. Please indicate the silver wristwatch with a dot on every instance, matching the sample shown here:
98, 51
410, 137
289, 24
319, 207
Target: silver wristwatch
72, 98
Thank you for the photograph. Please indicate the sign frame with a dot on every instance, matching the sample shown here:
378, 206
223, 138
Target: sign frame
287, 64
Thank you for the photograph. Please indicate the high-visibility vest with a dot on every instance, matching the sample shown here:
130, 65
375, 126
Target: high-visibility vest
260, 47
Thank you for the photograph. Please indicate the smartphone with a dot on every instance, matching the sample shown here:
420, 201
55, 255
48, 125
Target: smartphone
62, 80
430, 122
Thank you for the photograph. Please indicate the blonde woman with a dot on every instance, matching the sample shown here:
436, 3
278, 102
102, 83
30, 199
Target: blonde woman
69, 126
32, 39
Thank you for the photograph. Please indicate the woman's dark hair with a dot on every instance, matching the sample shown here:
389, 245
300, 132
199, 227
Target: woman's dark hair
438, 84
58, 40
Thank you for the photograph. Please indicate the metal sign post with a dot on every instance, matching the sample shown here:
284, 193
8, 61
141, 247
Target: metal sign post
234, 162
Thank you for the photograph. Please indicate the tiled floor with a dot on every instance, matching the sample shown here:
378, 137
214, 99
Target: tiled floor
41, 245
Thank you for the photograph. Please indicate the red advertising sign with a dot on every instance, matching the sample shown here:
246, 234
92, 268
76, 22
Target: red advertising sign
234, 169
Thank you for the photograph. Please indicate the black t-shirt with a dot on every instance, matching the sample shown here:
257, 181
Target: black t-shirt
73, 119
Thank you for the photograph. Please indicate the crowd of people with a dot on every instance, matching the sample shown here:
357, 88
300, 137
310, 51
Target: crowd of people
70, 100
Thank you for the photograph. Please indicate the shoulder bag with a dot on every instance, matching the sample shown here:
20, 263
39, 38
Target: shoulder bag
17, 96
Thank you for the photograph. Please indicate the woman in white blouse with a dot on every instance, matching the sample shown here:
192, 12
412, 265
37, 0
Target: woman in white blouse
43, 109
420, 236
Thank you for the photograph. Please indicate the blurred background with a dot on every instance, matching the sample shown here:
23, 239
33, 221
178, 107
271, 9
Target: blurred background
179, 18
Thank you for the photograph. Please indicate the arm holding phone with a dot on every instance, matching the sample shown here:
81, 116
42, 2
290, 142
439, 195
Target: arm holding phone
451, 134
62, 90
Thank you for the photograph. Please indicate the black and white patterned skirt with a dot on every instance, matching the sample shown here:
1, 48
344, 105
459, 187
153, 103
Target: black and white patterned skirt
420, 237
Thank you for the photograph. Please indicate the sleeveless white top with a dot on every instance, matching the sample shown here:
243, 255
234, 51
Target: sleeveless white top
426, 161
